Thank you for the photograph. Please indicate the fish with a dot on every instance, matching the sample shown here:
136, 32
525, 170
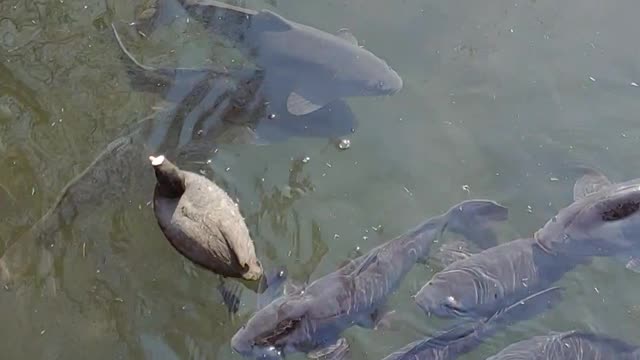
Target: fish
310, 318
603, 223
570, 345
213, 102
305, 68
462, 339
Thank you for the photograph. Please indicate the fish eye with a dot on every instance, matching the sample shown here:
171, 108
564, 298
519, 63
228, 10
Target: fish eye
620, 211
455, 310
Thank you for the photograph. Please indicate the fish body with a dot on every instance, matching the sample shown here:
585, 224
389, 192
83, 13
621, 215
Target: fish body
572, 345
484, 283
313, 317
460, 340
305, 68
217, 101
603, 220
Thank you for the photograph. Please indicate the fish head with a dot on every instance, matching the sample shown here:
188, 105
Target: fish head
359, 72
385, 80
377, 78
449, 294
598, 225
274, 330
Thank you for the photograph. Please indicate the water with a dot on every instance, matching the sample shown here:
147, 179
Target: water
499, 98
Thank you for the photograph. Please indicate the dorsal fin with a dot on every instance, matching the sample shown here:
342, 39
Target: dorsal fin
591, 182
346, 34
271, 21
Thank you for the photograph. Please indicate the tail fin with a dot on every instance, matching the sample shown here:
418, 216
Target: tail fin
472, 218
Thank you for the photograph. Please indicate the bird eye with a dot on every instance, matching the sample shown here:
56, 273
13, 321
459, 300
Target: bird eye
380, 84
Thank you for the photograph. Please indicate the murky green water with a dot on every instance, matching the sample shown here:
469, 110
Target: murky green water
500, 96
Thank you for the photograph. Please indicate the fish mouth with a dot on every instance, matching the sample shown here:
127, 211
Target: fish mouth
398, 83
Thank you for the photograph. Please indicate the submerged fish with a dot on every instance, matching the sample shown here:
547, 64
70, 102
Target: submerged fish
211, 102
305, 68
311, 319
463, 339
604, 223
571, 345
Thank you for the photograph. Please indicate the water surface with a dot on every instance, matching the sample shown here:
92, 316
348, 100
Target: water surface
499, 98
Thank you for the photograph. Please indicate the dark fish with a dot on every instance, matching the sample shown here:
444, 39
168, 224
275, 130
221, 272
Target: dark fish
462, 339
603, 221
606, 222
312, 318
572, 345
305, 68
213, 101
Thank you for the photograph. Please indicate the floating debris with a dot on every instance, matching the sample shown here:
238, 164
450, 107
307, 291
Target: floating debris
553, 179
306, 159
634, 84
592, 78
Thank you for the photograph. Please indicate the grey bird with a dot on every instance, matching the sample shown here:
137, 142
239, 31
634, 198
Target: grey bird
202, 222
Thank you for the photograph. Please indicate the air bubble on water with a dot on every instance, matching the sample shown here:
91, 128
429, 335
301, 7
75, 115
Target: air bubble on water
344, 144
306, 159
529, 209
227, 169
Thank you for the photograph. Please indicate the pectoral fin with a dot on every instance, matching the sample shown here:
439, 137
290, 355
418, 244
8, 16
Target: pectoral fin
230, 295
346, 35
337, 351
592, 181
299, 105
634, 265
292, 287
271, 286
451, 251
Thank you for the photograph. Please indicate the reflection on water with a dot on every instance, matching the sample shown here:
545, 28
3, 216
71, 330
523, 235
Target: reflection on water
499, 96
